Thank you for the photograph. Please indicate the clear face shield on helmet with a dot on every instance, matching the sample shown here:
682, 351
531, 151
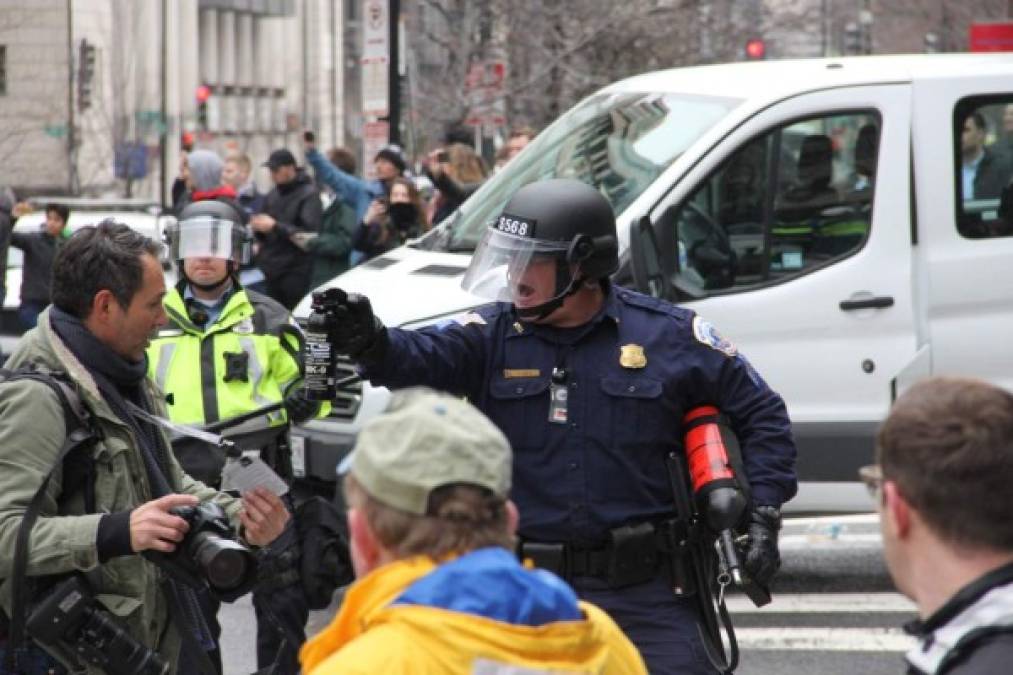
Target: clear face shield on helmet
500, 263
208, 237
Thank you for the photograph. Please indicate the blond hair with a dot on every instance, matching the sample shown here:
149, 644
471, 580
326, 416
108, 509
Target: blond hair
460, 518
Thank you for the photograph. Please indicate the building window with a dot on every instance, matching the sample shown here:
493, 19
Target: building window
3, 70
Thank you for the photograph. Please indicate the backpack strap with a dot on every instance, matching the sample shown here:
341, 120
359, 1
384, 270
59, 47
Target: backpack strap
80, 432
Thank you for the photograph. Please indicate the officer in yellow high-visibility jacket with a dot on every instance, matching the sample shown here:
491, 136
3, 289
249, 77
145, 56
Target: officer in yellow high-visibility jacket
226, 352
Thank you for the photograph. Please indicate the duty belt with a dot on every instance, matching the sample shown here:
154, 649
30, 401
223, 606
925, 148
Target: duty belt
634, 554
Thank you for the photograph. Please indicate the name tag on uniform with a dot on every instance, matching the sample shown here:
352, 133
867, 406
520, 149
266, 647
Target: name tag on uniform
511, 373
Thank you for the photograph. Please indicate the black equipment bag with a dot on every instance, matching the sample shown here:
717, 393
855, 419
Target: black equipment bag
325, 564
78, 467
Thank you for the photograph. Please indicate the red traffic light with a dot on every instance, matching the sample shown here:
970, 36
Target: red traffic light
756, 49
203, 93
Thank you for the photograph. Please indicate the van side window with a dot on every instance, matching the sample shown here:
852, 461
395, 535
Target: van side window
983, 133
787, 202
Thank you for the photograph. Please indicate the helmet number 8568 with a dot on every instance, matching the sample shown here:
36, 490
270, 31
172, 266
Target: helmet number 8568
511, 226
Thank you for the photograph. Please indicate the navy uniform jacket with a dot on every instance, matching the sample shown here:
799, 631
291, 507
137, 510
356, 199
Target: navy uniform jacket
605, 466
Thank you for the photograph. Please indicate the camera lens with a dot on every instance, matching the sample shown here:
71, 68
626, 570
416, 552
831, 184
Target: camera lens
225, 563
121, 653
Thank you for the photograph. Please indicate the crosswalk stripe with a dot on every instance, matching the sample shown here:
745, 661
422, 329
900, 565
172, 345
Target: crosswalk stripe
824, 603
795, 542
825, 639
844, 519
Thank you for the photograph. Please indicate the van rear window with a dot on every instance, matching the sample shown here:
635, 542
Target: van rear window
983, 151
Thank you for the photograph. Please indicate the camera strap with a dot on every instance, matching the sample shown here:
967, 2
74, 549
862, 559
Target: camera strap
185, 430
187, 630
288, 637
79, 434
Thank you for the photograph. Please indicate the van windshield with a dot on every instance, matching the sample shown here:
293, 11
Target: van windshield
619, 143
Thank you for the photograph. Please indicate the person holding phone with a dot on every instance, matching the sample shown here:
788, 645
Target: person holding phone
390, 222
358, 193
388, 164
456, 171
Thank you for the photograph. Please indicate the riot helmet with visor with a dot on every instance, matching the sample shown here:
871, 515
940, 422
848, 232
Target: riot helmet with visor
209, 229
561, 220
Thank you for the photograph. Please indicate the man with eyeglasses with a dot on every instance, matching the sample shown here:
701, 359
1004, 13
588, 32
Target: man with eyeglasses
943, 485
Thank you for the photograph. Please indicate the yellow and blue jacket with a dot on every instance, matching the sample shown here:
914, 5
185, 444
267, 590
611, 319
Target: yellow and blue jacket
482, 612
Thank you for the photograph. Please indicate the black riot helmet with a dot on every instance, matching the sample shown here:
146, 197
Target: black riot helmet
210, 228
560, 218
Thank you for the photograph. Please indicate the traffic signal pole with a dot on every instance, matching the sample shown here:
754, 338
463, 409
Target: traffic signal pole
394, 74
71, 135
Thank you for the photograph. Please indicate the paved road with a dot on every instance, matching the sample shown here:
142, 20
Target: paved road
834, 610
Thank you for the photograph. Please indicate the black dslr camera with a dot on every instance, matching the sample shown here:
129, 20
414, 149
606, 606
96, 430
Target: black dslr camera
209, 554
320, 358
70, 617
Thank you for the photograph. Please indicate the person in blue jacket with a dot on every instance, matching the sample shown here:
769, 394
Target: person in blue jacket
590, 383
358, 193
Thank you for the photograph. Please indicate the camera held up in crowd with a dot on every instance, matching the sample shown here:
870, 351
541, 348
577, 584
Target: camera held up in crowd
70, 617
209, 554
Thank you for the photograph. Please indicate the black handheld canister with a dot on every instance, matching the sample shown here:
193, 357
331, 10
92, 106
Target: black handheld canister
319, 357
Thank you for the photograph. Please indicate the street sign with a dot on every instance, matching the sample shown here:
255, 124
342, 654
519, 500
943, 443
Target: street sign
130, 160
150, 121
484, 87
375, 58
375, 135
991, 37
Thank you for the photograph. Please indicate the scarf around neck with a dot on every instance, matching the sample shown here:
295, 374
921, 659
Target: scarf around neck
119, 381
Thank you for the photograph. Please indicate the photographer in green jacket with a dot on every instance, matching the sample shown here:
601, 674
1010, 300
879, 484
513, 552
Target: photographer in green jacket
107, 301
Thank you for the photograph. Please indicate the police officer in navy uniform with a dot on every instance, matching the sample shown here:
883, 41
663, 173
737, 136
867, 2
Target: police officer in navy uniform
590, 383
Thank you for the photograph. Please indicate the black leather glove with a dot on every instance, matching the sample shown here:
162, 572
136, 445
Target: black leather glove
762, 556
298, 407
357, 332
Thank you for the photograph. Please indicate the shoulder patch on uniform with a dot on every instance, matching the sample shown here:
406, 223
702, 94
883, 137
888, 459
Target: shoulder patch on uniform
707, 334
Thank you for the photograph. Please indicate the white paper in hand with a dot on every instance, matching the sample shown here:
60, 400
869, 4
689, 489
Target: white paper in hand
245, 473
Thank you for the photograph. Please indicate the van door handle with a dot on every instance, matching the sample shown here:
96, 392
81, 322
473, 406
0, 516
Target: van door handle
875, 302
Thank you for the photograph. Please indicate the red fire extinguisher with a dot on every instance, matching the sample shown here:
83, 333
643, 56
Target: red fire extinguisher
719, 498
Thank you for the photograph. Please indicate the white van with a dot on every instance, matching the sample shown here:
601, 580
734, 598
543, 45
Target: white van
818, 212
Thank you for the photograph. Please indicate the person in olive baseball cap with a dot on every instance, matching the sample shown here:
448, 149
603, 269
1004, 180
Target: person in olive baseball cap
440, 589
426, 441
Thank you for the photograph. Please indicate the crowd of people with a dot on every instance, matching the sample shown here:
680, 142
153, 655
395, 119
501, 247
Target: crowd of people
302, 241
308, 228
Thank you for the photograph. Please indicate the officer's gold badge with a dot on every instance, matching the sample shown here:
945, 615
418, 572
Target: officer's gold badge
632, 356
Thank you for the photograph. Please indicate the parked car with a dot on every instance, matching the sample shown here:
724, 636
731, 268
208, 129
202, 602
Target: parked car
141, 215
814, 211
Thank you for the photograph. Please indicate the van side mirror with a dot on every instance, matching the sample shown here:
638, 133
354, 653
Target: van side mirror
645, 261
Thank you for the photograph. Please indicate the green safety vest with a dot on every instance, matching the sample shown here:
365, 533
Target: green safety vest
247, 359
